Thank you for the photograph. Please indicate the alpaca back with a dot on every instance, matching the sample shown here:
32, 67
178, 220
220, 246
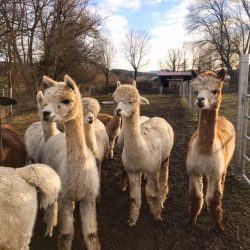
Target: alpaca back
14, 153
18, 206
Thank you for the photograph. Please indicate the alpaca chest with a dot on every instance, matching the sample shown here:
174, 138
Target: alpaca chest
205, 164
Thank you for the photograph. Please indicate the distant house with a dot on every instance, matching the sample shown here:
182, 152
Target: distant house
170, 81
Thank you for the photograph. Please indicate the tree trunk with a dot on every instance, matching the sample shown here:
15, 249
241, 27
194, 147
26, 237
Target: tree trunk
135, 74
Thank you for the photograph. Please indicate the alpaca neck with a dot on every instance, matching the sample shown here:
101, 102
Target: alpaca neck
207, 130
49, 129
91, 137
115, 122
77, 150
132, 131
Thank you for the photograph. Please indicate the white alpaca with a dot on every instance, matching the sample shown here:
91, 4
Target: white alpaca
18, 206
112, 125
210, 148
73, 161
146, 150
38, 133
95, 132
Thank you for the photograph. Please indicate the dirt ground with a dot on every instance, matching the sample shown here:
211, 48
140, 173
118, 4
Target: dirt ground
171, 233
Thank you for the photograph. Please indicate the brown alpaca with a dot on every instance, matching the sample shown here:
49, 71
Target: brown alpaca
210, 148
112, 124
13, 153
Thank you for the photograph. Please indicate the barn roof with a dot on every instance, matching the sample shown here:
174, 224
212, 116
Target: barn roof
176, 73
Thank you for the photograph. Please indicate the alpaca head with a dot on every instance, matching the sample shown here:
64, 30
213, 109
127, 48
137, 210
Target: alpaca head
91, 109
208, 86
127, 99
62, 101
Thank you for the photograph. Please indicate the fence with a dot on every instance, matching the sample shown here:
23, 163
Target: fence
243, 117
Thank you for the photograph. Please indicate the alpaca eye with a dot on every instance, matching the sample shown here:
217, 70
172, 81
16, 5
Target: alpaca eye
130, 102
66, 101
215, 91
196, 92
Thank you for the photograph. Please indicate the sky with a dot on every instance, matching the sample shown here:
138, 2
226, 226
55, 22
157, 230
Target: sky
162, 19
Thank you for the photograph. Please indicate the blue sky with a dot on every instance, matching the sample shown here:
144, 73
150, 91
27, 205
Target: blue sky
163, 19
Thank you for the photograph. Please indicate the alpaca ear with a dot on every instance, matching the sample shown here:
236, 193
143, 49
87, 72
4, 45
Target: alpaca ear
118, 84
144, 100
48, 81
70, 82
39, 97
221, 74
134, 83
194, 74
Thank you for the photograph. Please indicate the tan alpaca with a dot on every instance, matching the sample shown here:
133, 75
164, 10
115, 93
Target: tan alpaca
73, 161
210, 148
146, 150
112, 125
38, 133
95, 132
18, 202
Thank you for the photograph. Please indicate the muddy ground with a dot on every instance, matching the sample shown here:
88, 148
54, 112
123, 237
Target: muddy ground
172, 232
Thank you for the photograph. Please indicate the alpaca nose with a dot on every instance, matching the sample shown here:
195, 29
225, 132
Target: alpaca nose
91, 119
200, 99
118, 112
46, 115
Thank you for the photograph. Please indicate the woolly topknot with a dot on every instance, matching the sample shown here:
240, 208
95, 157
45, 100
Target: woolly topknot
91, 105
126, 93
208, 81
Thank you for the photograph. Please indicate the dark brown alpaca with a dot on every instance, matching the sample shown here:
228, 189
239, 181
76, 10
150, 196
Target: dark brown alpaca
13, 152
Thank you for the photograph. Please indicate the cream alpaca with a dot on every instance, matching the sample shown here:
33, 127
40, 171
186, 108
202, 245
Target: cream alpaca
210, 148
73, 161
146, 150
95, 132
38, 133
18, 206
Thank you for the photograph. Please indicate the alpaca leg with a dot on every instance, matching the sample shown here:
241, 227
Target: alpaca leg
164, 181
111, 148
124, 180
196, 197
214, 199
135, 196
89, 224
153, 195
50, 218
66, 225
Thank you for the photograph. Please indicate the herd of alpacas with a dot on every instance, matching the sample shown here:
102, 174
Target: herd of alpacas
66, 148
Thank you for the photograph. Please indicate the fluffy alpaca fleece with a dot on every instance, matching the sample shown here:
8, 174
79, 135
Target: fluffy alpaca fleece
210, 148
95, 132
18, 206
146, 150
38, 133
73, 161
112, 125
120, 143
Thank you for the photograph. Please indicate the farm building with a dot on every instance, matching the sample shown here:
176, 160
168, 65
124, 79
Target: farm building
170, 81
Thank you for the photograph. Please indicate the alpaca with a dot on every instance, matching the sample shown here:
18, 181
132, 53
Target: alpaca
112, 124
120, 143
210, 148
146, 150
95, 132
38, 133
13, 149
73, 161
18, 206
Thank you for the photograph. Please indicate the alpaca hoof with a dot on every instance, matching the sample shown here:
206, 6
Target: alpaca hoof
158, 218
131, 223
49, 231
219, 228
191, 222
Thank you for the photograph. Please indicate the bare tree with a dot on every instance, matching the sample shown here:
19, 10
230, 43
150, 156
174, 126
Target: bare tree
136, 47
108, 53
218, 28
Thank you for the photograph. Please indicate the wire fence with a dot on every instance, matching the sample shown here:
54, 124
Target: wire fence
241, 167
